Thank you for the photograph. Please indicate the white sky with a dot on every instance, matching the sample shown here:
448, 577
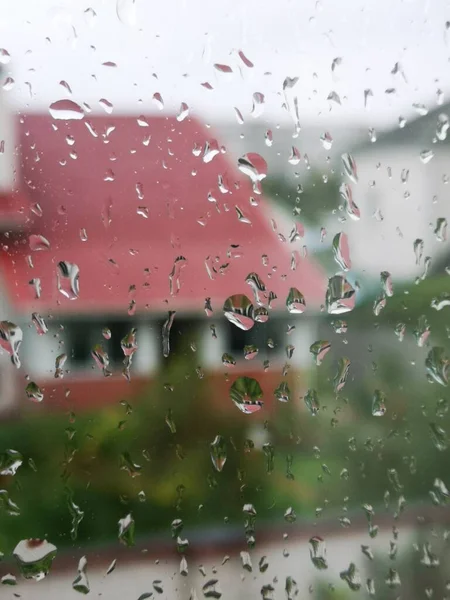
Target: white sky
180, 40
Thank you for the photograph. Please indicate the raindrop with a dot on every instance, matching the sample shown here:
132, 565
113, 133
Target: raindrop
319, 350
10, 461
351, 577
442, 127
269, 452
158, 101
66, 110
268, 138
318, 551
60, 361
258, 288
422, 331
334, 97
10, 340
81, 583
34, 558
101, 359
327, 140
126, 12
436, 364
248, 63
282, 392
211, 589
126, 530
246, 393
378, 404
166, 333
295, 301
340, 296
294, 157
174, 277
312, 402
341, 251
340, 378
106, 333
386, 283
250, 351
418, 250
5, 56
439, 437
441, 229
258, 105
218, 452
254, 166
421, 109
223, 68
34, 392
350, 207
8, 505
68, 279
106, 105
228, 360
246, 561
38, 242
240, 311
350, 167
426, 156
183, 113
39, 323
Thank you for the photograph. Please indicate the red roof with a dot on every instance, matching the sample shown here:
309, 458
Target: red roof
92, 181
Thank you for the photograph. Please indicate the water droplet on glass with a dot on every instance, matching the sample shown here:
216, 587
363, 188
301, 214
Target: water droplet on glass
282, 392
258, 105
386, 283
294, 157
66, 110
247, 394
218, 452
34, 392
39, 323
211, 589
60, 361
378, 404
312, 402
442, 127
183, 113
441, 229
246, 561
101, 359
5, 56
254, 166
10, 461
240, 311
350, 167
175, 275
126, 12
426, 156
319, 350
327, 140
295, 301
81, 583
228, 360
340, 296
166, 333
126, 530
158, 100
340, 378
250, 351
334, 97
351, 577
318, 551
436, 365
418, 250
68, 283
341, 251
34, 558
7, 505
10, 340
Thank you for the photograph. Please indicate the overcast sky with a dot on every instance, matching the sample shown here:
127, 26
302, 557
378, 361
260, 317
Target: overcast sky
181, 40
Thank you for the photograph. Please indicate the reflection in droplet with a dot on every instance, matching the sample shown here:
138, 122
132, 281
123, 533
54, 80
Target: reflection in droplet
340, 378
81, 583
11, 336
10, 461
318, 551
319, 350
166, 333
378, 404
351, 577
350, 206
240, 311
68, 275
341, 251
282, 392
312, 402
350, 167
66, 110
441, 229
34, 558
126, 530
437, 364
218, 452
295, 301
34, 392
340, 296
247, 394
38, 242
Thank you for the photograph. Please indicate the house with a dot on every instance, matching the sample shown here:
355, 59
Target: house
401, 192
127, 218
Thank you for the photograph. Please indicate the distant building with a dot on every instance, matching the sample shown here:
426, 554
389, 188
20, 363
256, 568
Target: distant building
122, 198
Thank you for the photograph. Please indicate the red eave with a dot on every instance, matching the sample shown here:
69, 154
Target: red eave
98, 183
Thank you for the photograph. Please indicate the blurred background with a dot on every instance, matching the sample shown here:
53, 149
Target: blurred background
224, 299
